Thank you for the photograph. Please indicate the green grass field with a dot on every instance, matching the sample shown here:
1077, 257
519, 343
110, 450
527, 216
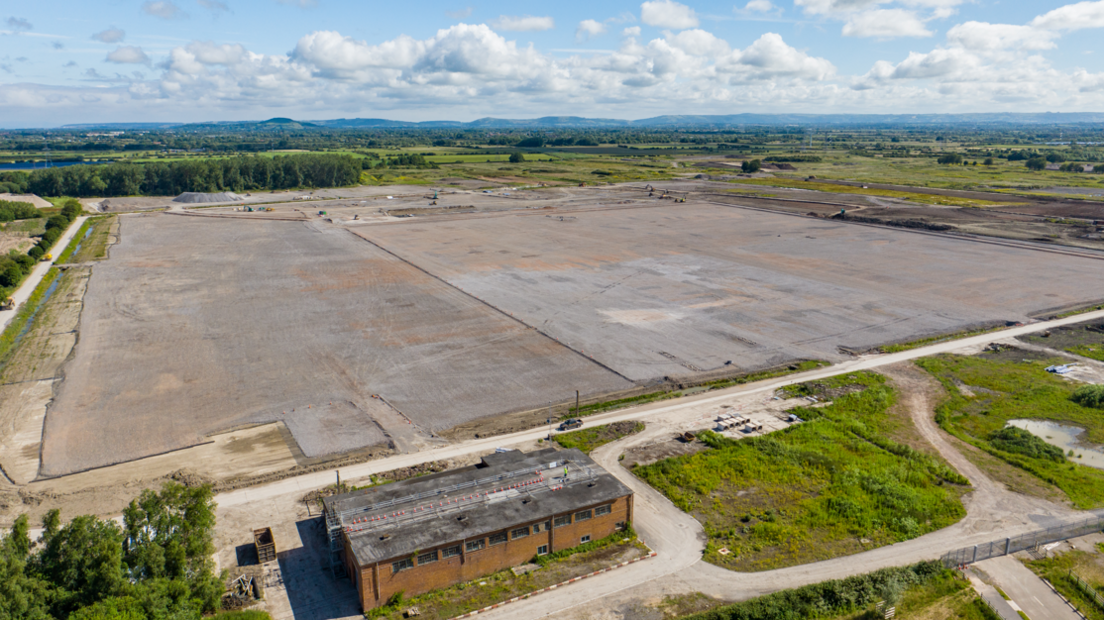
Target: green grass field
831, 486
1003, 390
588, 439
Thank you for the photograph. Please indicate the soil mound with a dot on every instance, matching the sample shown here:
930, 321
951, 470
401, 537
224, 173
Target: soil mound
200, 197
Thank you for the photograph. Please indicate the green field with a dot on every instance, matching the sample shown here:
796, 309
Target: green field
588, 439
830, 486
1002, 388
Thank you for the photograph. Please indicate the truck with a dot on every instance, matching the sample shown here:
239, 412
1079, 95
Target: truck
570, 424
7, 304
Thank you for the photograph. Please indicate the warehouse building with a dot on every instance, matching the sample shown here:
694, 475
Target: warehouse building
434, 531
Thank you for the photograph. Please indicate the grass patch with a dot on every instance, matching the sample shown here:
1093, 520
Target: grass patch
1007, 390
923, 342
924, 590
1057, 570
1091, 351
587, 439
833, 188
488, 590
33, 227
93, 246
719, 384
26, 311
831, 486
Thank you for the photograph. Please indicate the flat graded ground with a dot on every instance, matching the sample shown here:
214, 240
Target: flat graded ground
196, 325
671, 290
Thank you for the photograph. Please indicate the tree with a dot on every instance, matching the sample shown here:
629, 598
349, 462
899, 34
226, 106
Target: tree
83, 559
950, 158
516, 158
1036, 163
988, 161
751, 166
22, 596
1055, 158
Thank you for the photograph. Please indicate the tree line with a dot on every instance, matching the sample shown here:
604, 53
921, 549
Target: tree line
156, 566
234, 174
16, 266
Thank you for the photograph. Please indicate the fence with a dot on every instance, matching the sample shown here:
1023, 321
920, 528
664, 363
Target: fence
1088, 590
996, 548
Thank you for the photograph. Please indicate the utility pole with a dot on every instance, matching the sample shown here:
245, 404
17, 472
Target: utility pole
576, 403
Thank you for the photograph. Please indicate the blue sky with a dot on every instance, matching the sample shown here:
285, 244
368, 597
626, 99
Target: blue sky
194, 60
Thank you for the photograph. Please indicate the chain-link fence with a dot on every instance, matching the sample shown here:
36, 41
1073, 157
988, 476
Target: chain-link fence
992, 549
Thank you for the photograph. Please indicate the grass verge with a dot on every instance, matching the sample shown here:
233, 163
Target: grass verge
588, 439
719, 384
831, 486
998, 390
1088, 566
924, 590
26, 312
504, 585
923, 342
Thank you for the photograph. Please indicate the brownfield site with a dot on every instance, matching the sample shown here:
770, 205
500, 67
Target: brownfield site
391, 330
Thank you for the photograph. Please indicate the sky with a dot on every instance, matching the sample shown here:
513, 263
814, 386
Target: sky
74, 61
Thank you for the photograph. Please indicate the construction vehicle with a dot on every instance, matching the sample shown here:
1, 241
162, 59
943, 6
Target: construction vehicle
7, 304
570, 424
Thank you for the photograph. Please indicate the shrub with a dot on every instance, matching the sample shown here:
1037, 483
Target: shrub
1089, 396
751, 166
516, 158
950, 158
1036, 163
1019, 441
988, 161
10, 211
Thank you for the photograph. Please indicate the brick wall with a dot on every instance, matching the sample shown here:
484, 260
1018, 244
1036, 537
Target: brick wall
492, 558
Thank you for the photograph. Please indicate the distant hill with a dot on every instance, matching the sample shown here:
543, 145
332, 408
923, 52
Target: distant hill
666, 121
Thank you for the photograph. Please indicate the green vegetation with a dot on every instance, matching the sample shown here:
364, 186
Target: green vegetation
1018, 441
1091, 351
248, 614
1060, 569
157, 566
11, 211
923, 342
718, 384
834, 188
911, 588
462, 598
588, 439
830, 486
1008, 390
623, 536
26, 313
1089, 396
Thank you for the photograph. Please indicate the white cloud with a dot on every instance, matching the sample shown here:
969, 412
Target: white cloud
759, 6
164, 9
128, 54
668, 14
631, 31
111, 35
1072, 17
885, 24
589, 28
827, 7
527, 23
769, 57
698, 43
993, 37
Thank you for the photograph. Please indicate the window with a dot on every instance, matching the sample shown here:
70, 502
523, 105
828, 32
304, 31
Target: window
450, 552
582, 515
542, 550
564, 520
401, 565
584, 539
521, 532
428, 557
603, 510
539, 527
475, 545
498, 539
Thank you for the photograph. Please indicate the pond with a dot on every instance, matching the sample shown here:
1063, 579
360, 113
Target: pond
1065, 437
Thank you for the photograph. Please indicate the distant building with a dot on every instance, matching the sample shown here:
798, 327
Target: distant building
434, 531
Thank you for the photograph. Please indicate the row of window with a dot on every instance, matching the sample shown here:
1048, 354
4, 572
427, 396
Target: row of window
497, 539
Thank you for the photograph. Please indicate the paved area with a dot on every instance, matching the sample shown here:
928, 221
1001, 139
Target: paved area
1026, 590
993, 598
198, 325
654, 290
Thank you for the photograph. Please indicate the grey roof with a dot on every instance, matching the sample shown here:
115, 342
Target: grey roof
506, 489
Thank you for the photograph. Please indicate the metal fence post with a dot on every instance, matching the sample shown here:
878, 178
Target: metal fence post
1007, 545
975, 555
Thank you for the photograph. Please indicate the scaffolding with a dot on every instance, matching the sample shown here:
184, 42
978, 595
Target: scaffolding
440, 502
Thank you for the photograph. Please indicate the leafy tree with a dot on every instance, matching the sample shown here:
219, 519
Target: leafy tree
1055, 158
1089, 396
1036, 163
22, 596
751, 166
533, 142
516, 158
988, 161
950, 158
83, 559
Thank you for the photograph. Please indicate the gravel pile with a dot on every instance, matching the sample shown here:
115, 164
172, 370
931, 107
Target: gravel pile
200, 197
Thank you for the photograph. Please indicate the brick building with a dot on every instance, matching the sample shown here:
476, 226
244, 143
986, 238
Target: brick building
433, 531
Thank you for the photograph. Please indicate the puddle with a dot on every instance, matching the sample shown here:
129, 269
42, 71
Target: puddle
1065, 437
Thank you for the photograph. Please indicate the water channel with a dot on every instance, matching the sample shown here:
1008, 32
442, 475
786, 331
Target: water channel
1065, 437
